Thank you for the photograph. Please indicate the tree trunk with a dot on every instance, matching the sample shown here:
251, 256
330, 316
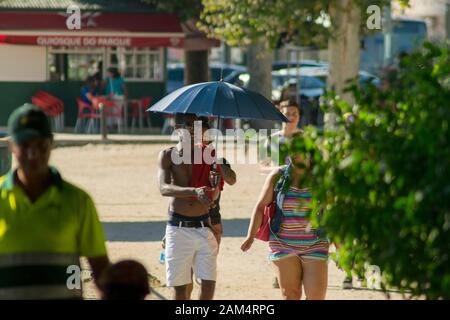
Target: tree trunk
344, 50
196, 67
259, 63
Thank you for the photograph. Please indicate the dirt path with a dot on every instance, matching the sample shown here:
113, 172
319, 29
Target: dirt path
122, 181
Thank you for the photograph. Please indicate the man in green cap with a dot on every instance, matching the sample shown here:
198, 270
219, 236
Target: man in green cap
46, 223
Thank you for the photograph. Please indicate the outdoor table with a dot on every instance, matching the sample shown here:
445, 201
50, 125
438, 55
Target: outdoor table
111, 103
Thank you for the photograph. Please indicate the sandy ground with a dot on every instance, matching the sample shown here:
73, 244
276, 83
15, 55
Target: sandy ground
122, 181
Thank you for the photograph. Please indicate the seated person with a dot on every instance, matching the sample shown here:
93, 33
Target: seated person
114, 85
89, 90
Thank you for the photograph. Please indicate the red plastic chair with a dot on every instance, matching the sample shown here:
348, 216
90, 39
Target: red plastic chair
146, 102
138, 112
87, 117
52, 106
49, 109
51, 99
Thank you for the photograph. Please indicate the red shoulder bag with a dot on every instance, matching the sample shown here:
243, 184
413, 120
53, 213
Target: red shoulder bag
263, 232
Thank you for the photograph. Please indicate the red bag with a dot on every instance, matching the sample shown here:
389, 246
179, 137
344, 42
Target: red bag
263, 232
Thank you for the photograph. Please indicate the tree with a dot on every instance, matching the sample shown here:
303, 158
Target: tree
256, 25
196, 61
343, 48
314, 22
383, 176
243, 22
259, 65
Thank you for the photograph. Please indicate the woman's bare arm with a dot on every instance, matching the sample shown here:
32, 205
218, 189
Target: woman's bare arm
265, 198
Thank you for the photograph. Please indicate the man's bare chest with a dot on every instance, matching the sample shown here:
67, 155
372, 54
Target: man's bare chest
182, 174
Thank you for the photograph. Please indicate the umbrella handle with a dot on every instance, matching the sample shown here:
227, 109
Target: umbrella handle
215, 182
214, 164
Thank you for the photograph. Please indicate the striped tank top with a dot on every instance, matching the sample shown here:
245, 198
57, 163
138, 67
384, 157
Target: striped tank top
296, 234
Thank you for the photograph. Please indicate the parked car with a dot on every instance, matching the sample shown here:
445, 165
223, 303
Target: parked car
312, 80
322, 73
175, 73
312, 87
278, 65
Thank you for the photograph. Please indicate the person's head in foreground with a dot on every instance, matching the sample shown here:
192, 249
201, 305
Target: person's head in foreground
125, 280
301, 164
299, 157
31, 140
291, 110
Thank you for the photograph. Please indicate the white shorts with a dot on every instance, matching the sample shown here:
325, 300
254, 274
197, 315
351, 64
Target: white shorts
190, 249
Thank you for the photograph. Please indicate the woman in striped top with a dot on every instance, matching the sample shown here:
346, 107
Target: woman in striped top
297, 250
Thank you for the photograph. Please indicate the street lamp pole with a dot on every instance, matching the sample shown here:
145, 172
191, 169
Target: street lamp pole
387, 34
447, 21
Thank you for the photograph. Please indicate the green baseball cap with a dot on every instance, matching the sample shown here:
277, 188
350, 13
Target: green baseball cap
28, 122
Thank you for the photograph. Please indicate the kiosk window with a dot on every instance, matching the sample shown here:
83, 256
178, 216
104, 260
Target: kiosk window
137, 64
74, 64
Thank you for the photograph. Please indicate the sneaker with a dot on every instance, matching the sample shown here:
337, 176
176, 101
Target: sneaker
362, 282
347, 283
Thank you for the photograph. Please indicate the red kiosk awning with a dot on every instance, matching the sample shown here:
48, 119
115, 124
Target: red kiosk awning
98, 29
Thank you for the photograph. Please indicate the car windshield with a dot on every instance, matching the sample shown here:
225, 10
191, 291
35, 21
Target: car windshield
177, 74
311, 83
279, 81
306, 82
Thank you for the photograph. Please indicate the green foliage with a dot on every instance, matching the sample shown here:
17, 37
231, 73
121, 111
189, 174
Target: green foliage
184, 9
242, 22
383, 176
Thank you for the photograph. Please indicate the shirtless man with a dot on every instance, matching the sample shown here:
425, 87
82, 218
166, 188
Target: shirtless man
190, 241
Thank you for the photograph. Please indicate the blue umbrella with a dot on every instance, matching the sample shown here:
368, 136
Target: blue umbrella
220, 99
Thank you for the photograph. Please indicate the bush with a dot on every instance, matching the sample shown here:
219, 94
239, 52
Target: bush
383, 176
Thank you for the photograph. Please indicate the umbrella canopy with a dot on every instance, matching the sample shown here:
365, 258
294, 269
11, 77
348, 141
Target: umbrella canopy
220, 99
